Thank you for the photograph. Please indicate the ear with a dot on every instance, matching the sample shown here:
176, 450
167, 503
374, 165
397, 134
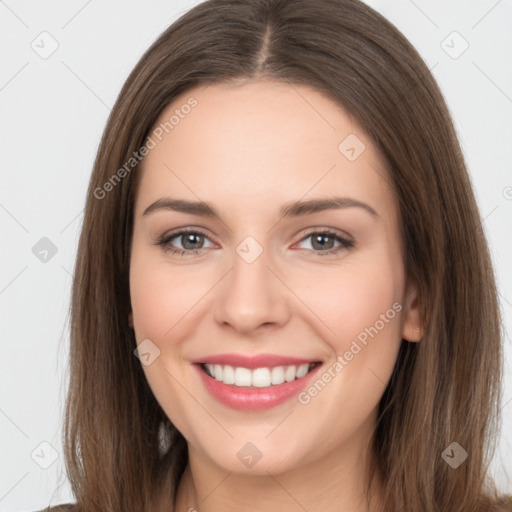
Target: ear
130, 319
412, 330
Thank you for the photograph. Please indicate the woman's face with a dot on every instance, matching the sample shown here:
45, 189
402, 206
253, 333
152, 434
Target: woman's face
276, 282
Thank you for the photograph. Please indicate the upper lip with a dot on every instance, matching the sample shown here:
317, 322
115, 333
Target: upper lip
251, 362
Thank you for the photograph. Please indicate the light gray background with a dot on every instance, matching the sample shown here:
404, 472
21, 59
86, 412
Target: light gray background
52, 113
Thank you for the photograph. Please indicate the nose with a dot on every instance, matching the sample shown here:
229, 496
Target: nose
251, 297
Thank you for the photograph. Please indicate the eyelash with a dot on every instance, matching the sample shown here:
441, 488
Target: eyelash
165, 241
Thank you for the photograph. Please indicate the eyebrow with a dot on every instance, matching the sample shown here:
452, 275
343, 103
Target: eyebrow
295, 209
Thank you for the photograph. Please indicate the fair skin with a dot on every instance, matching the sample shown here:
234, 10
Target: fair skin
248, 150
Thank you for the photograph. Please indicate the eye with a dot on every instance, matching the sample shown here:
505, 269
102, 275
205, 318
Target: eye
192, 241
323, 242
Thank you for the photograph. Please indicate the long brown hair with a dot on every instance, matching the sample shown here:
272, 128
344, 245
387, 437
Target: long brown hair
122, 453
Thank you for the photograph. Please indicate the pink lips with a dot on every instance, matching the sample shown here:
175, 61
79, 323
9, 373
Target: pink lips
251, 398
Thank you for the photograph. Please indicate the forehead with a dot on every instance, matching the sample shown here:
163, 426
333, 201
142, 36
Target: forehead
260, 140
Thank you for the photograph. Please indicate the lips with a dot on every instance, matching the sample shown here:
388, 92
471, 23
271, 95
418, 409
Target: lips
254, 382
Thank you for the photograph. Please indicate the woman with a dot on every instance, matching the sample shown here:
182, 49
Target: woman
334, 340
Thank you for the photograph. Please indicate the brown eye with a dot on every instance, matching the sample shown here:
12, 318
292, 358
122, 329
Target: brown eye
324, 242
191, 241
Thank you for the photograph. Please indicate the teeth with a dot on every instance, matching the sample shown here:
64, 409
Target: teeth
289, 373
211, 369
302, 370
228, 375
242, 377
277, 375
259, 377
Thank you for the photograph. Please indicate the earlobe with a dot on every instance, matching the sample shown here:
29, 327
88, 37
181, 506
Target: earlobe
412, 330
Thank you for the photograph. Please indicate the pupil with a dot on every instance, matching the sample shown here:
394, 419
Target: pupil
190, 238
319, 239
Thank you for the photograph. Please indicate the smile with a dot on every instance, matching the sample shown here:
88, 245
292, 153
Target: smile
254, 383
263, 377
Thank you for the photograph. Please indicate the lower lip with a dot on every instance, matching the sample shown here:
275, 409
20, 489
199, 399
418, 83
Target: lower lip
254, 399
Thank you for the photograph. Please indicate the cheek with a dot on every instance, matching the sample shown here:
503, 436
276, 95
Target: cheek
354, 298
160, 301
361, 305
161, 297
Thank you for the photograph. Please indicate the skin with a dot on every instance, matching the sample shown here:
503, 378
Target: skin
248, 149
